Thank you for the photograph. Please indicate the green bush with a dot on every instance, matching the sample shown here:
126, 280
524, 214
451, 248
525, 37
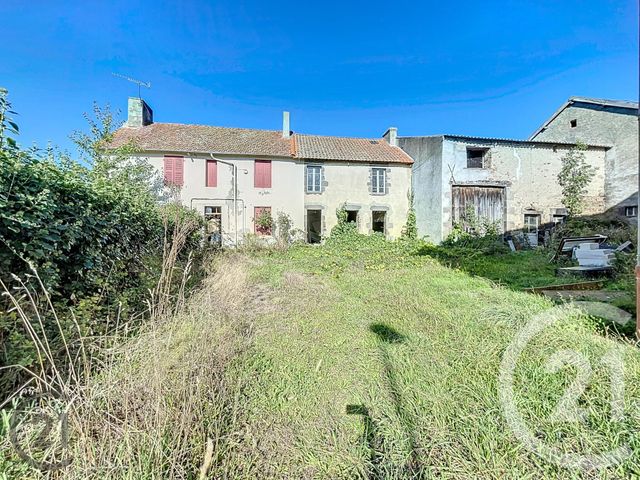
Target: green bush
93, 232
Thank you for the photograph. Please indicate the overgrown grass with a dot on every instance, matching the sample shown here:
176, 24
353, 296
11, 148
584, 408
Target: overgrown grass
380, 363
356, 359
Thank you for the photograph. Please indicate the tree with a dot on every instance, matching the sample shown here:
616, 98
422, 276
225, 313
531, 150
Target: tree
574, 177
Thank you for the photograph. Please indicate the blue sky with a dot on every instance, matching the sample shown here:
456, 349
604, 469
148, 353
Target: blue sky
341, 68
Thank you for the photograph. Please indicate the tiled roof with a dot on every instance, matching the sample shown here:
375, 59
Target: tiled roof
175, 137
373, 150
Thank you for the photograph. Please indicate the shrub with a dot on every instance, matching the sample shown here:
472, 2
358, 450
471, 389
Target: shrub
344, 227
574, 177
410, 229
86, 235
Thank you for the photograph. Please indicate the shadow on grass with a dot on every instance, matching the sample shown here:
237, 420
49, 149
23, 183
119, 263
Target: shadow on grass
388, 337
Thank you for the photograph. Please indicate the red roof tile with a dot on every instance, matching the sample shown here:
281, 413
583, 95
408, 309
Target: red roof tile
370, 150
175, 137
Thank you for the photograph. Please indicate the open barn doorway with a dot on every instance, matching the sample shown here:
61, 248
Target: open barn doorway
474, 206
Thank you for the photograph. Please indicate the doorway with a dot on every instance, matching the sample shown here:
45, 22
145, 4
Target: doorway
378, 221
314, 226
474, 205
213, 225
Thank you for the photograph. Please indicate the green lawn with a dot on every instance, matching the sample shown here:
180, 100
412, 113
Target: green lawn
379, 363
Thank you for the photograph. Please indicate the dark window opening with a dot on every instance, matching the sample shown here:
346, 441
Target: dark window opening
314, 226
573, 123
352, 216
477, 157
631, 211
558, 219
377, 221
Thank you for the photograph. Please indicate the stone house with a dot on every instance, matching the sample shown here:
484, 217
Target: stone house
512, 183
604, 122
234, 176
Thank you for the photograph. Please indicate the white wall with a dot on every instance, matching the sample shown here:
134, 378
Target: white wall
285, 195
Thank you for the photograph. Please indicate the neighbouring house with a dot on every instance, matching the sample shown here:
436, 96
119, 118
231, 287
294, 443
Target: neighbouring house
606, 122
236, 176
512, 183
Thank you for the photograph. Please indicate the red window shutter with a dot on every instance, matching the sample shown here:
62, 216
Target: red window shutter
178, 174
168, 170
173, 170
262, 174
212, 173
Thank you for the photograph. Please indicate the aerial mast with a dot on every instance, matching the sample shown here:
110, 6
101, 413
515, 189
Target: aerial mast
139, 83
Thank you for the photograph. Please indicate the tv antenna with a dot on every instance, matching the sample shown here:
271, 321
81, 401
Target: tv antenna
140, 83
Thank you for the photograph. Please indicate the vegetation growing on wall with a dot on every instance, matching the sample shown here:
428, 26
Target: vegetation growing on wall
574, 178
410, 229
344, 226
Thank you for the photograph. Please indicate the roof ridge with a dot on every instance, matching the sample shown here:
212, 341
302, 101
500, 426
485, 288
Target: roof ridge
214, 126
335, 136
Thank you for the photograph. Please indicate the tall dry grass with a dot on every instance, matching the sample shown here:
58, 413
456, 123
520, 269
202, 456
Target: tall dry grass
161, 404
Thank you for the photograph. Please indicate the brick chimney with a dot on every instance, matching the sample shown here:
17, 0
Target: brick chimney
286, 126
139, 113
391, 136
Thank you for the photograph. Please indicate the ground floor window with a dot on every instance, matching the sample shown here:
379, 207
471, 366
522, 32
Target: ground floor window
531, 223
262, 220
378, 221
631, 211
352, 216
558, 219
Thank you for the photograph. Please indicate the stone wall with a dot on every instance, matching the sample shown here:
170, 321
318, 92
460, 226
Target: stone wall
595, 124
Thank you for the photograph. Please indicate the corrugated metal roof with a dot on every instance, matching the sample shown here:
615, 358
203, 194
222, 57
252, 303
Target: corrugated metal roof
468, 138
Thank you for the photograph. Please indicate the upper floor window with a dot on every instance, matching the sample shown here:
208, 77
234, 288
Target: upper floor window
173, 170
573, 123
477, 157
379, 180
314, 179
262, 174
212, 173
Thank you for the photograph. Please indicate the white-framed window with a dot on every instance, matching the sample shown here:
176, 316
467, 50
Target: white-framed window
531, 223
314, 179
631, 211
379, 180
